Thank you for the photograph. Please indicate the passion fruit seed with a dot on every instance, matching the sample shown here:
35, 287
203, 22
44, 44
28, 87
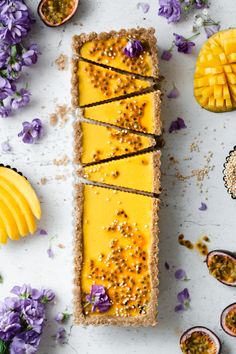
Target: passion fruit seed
230, 320
222, 268
198, 342
55, 11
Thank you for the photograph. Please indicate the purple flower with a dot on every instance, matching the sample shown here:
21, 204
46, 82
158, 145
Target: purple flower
184, 297
174, 93
166, 55
50, 253
179, 308
23, 292
98, 298
60, 335
4, 54
42, 232
30, 56
133, 48
177, 124
211, 29
47, 295
9, 324
203, 207
180, 274
170, 9
201, 4
6, 147
25, 342
6, 89
62, 317
33, 312
21, 99
144, 6
32, 132
183, 44
4, 111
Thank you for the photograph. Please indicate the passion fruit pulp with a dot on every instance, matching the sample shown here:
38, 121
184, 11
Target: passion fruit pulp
222, 266
228, 320
200, 340
55, 13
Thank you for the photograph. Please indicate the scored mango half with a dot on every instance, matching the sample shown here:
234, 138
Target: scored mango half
215, 74
19, 206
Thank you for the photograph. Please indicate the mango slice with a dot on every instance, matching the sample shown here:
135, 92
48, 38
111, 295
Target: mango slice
215, 74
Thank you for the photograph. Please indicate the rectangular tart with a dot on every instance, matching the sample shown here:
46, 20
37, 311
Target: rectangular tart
116, 249
139, 172
94, 143
108, 49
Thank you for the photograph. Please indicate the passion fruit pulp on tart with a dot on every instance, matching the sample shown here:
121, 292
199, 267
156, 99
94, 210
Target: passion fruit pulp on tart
215, 75
222, 266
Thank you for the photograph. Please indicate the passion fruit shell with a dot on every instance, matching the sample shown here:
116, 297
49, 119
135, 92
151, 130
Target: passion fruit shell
212, 337
229, 329
55, 13
228, 256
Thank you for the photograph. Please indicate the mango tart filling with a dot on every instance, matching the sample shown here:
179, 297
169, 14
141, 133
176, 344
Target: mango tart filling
99, 143
215, 75
120, 260
108, 49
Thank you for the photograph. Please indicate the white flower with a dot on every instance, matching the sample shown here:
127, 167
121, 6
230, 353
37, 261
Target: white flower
199, 21
205, 12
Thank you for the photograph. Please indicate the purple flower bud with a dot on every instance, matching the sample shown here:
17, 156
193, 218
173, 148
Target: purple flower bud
62, 317
98, 298
30, 56
183, 44
21, 99
170, 9
47, 296
32, 132
133, 48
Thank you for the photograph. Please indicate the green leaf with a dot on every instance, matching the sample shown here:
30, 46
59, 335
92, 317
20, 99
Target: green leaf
13, 51
3, 347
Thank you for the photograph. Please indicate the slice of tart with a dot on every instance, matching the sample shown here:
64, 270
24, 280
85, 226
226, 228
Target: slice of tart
19, 205
92, 84
115, 258
109, 49
95, 143
140, 172
140, 113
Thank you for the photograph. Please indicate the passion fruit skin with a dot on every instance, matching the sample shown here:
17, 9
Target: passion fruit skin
205, 331
223, 316
49, 24
224, 253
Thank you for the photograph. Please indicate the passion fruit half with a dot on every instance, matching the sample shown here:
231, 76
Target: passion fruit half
55, 13
228, 320
222, 265
200, 340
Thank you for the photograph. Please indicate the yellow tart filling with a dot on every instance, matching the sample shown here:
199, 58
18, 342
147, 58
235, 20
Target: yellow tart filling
116, 249
136, 172
99, 84
19, 206
110, 52
215, 75
99, 142
140, 113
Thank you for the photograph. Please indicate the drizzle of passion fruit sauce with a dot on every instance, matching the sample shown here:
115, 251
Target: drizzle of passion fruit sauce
106, 53
110, 83
55, 11
198, 342
124, 271
230, 320
222, 268
200, 245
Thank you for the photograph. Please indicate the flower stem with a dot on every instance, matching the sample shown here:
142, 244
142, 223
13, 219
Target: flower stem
195, 35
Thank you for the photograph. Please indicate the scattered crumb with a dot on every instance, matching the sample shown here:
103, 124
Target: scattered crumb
60, 245
62, 162
60, 177
62, 62
61, 114
194, 147
43, 181
53, 119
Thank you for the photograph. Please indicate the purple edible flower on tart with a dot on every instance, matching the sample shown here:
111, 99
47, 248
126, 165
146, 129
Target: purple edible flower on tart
203, 207
144, 6
183, 44
133, 48
177, 124
32, 132
180, 274
166, 55
98, 298
170, 9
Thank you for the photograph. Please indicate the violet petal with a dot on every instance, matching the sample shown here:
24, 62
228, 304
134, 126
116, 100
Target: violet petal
203, 207
211, 29
42, 232
180, 274
6, 146
177, 124
50, 253
144, 6
174, 93
179, 308
183, 296
166, 55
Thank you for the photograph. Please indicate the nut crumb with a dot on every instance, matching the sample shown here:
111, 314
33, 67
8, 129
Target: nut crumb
62, 162
43, 181
62, 62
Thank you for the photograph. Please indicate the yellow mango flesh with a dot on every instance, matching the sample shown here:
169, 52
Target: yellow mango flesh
3, 232
215, 74
9, 221
98, 84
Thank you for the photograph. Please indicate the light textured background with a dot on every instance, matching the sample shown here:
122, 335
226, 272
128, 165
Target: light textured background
27, 261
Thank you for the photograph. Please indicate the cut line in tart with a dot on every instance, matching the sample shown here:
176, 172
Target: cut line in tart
117, 251
140, 113
93, 84
94, 143
108, 49
215, 75
140, 172
19, 206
